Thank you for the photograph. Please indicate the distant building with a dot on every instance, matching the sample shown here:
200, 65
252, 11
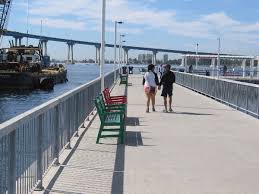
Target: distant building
145, 58
165, 58
149, 58
141, 58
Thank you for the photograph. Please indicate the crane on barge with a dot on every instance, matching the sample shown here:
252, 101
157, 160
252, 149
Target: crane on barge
5, 6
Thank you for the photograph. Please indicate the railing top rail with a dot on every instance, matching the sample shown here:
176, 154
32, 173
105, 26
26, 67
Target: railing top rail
222, 56
226, 80
10, 125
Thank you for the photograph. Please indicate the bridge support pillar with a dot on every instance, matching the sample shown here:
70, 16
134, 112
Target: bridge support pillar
45, 48
252, 63
154, 58
15, 41
126, 56
20, 41
182, 61
244, 67
72, 53
186, 63
213, 62
68, 53
97, 55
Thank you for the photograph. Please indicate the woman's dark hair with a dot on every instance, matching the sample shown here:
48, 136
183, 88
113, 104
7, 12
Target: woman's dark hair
150, 67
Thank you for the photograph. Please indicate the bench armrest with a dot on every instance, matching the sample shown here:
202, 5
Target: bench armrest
118, 99
118, 96
115, 105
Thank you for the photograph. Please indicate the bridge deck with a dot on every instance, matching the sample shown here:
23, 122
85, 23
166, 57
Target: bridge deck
204, 147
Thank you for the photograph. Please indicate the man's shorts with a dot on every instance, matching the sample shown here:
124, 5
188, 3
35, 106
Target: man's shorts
167, 91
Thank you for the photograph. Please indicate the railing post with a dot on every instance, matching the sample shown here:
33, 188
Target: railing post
39, 186
12, 164
75, 104
237, 96
246, 99
57, 133
258, 101
86, 105
68, 125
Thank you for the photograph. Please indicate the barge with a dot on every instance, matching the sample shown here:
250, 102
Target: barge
25, 68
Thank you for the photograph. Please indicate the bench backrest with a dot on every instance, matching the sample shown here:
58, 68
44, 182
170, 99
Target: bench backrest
99, 107
106, 94
101, 101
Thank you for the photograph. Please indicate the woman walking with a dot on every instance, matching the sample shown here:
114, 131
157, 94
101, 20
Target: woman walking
150, 82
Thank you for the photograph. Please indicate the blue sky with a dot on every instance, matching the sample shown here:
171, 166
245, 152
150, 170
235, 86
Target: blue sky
173, 24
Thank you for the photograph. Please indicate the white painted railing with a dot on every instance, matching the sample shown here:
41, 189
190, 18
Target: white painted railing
32, 141
242, 96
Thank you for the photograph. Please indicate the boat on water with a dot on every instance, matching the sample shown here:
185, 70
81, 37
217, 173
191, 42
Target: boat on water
24, 67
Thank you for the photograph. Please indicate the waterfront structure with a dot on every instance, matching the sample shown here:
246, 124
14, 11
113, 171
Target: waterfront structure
214, 62
55, 126
26, 68
165, 58
141, 58
145, 58
148, 57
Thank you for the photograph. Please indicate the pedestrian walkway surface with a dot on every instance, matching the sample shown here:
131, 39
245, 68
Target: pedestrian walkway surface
204, 147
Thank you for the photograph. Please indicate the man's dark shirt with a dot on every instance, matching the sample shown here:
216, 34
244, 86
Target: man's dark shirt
167, 79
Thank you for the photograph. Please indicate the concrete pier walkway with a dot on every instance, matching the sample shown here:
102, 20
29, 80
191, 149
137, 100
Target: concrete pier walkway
204, 147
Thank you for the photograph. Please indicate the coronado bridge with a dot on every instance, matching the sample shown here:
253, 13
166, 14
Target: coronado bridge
18, 36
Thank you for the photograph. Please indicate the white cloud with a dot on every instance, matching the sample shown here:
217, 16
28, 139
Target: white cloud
59, 23
247, 28
219, 19
139, 15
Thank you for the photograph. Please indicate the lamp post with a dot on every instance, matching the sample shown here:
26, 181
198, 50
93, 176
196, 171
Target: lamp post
218, 60
196, 61
115, 48
102, 45
123, 53
120, 46
28, 14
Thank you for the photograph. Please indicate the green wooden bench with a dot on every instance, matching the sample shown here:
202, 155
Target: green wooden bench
124, 79
112, 121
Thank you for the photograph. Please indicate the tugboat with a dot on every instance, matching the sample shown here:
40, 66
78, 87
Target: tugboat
24, 67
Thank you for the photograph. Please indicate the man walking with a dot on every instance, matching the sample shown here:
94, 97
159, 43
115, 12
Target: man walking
167, 81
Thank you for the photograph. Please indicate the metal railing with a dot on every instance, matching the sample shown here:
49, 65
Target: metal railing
31, 142
240, 95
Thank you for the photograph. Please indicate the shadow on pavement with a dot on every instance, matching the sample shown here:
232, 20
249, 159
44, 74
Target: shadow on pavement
48, 189
118, 174
132, 121
191, 113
